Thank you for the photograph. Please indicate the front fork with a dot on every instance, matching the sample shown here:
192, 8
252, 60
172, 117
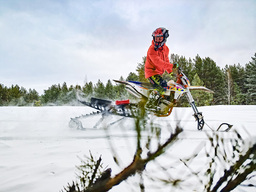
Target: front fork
198, 115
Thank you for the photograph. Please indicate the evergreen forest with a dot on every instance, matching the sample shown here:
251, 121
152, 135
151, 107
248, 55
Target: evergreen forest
232, 85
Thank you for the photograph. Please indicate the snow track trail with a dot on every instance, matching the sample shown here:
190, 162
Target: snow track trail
40, 152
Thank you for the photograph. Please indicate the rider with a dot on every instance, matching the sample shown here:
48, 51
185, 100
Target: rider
157, 62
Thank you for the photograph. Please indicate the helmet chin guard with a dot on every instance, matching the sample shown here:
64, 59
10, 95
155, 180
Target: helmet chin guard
160, 32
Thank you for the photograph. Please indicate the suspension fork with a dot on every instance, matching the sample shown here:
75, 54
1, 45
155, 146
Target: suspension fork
198, 115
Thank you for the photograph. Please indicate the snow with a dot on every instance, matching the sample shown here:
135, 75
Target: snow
40, 152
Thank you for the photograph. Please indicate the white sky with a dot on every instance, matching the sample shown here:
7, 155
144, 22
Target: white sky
54, 41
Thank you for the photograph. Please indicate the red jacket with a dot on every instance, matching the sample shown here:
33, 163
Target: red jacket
157, 62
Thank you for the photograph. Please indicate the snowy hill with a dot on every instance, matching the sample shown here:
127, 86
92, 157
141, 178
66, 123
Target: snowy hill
39, 151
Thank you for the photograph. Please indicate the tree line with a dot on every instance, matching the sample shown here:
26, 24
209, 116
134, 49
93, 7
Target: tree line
59, 94
232, 85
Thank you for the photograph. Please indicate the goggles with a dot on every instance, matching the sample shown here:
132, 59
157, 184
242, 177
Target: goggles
159, 39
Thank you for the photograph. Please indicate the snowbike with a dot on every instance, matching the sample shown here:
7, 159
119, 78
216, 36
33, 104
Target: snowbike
173, 92
142, 90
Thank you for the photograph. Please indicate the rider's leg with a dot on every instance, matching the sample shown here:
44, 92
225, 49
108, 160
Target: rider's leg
155, 95
155, 99
159, 83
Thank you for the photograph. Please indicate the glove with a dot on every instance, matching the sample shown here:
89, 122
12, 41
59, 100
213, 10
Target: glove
175, 65
175, 68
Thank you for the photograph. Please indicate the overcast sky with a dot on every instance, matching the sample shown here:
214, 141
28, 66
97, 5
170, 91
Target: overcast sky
46, 42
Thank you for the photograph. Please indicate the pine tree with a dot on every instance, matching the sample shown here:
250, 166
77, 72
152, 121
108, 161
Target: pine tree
132, 77
16, 95
201, 98
120, 91
109, 90
64, 87
238, 75
15, 92
4, 95
88, 89
31, 96
239, 97
63, 96
251, 80
213, 78
51, 95
141, 70
187, 66
174, 58
198, 66
99, 90
229, 85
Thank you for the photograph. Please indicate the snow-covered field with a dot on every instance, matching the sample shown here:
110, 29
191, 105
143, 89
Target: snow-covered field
39, 151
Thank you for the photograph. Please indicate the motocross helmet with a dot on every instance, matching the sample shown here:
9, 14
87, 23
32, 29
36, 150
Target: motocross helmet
159, 37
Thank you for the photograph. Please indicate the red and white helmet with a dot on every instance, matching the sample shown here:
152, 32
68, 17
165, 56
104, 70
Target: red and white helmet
159, 37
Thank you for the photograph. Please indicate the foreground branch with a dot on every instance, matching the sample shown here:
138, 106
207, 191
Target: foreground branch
233, 183
138, 164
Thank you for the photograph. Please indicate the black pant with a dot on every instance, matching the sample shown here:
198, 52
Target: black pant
159, 83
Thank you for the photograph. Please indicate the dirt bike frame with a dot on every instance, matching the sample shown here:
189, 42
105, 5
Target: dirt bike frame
142, 90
